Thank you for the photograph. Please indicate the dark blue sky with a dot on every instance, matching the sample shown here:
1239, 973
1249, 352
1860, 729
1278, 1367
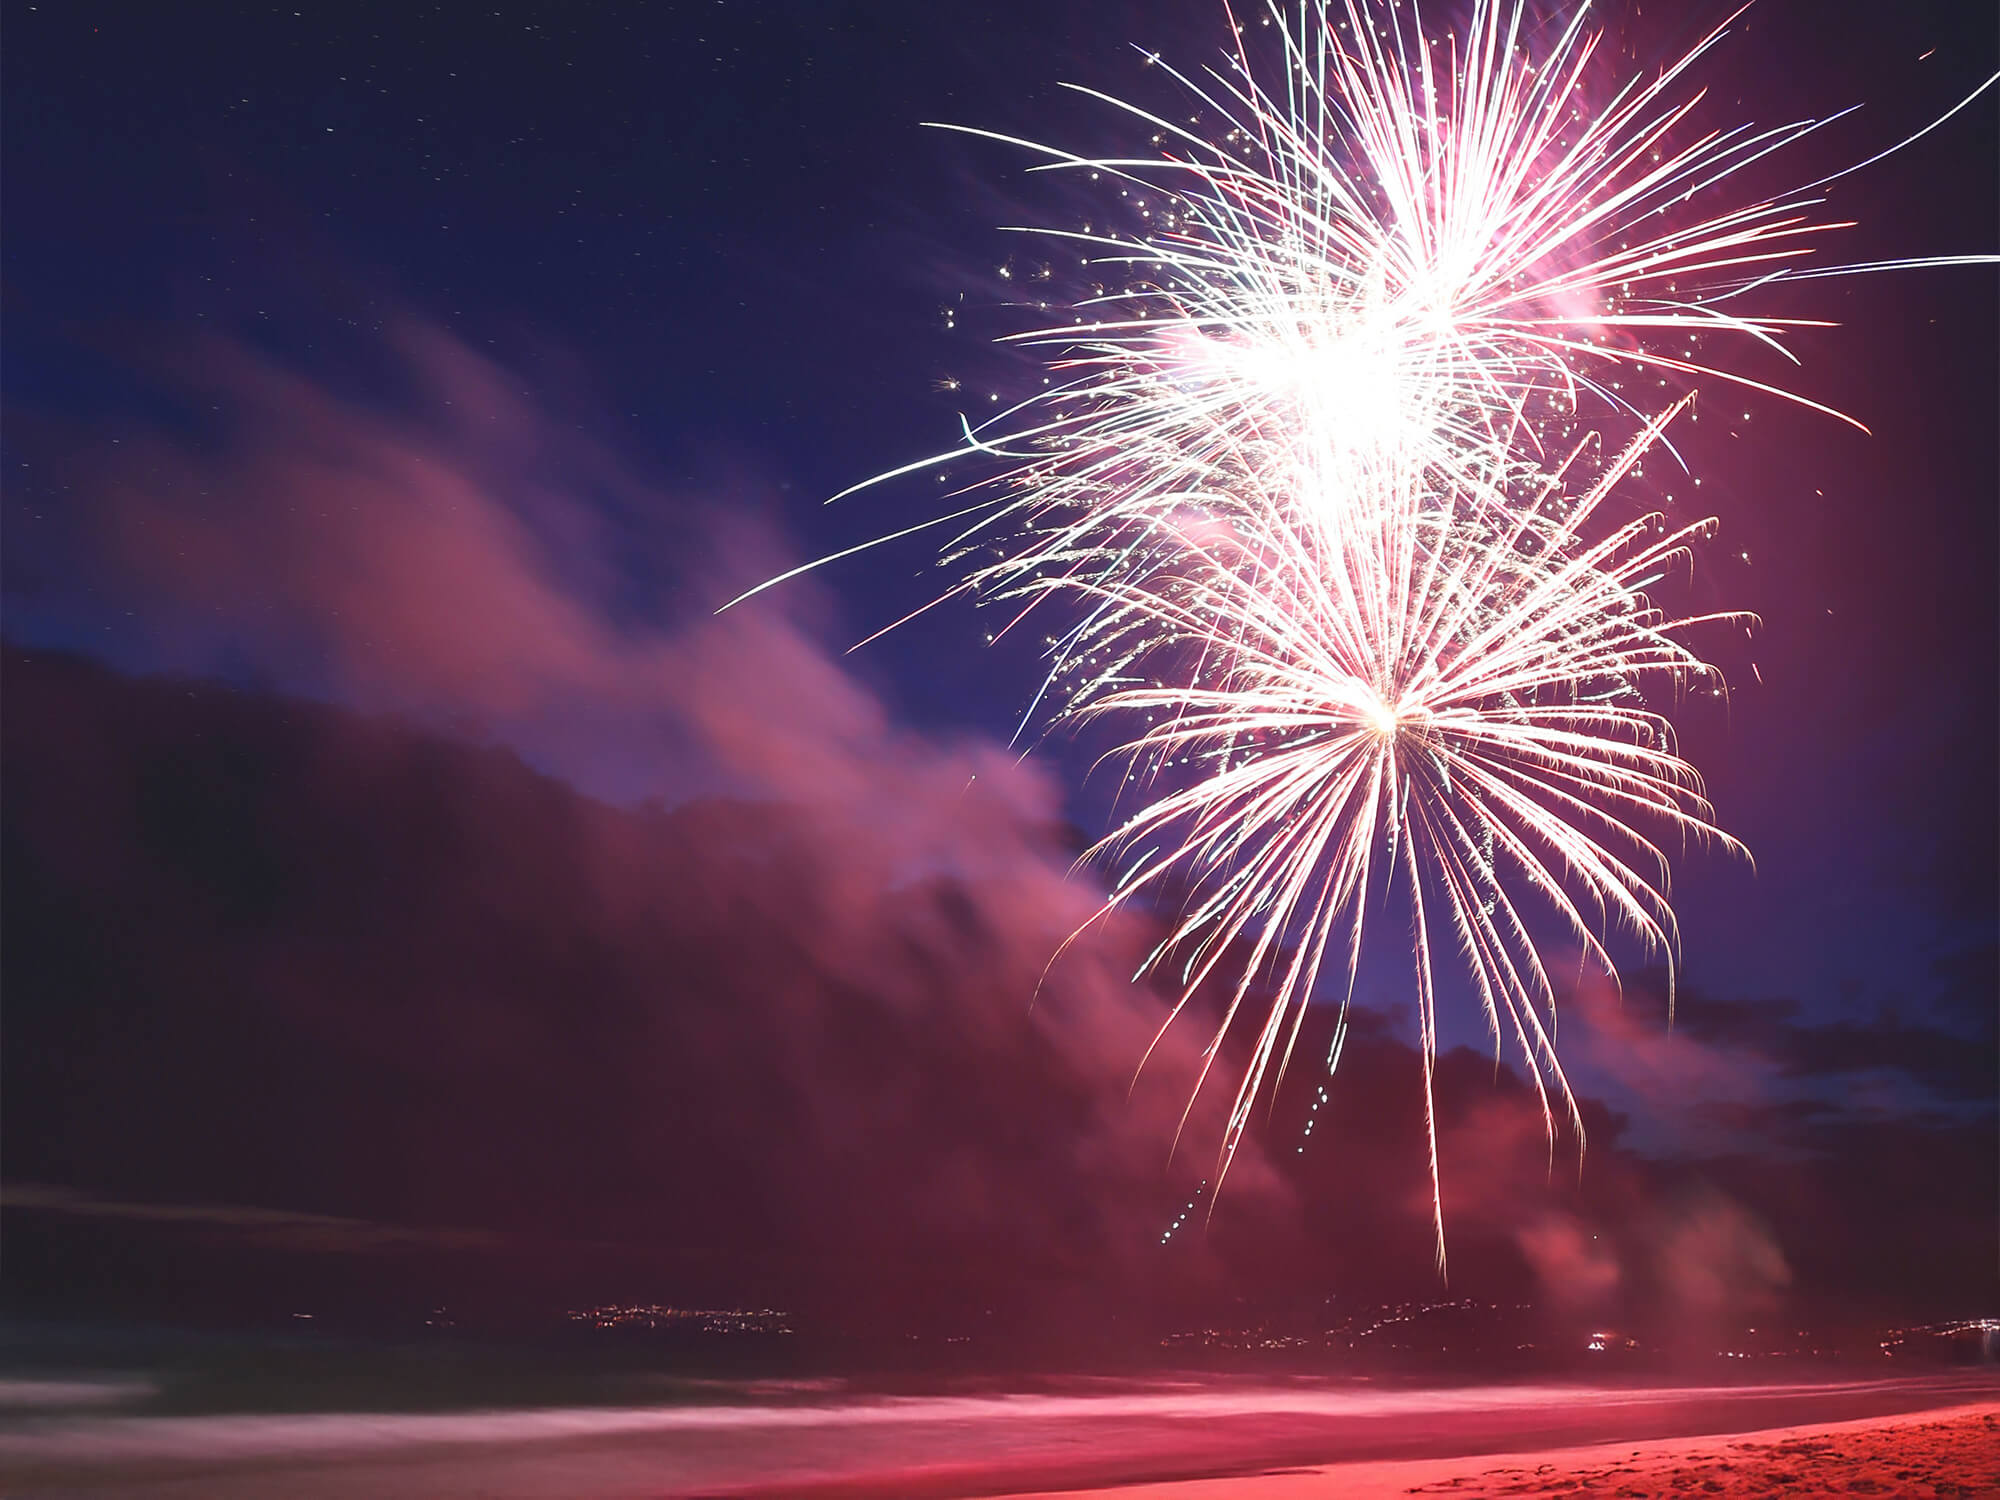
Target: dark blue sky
712, 241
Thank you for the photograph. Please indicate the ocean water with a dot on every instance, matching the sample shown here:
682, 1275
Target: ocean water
662, 1434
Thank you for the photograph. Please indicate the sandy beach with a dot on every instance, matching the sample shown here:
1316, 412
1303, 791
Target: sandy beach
1944, 1454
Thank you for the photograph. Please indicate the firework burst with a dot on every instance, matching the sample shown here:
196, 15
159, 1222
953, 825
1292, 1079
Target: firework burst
1420, 715
1312, 472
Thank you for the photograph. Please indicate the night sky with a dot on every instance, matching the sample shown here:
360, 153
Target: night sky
398, 852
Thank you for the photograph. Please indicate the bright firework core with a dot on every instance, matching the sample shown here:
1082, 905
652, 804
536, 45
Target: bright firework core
1384, 718
1395, 721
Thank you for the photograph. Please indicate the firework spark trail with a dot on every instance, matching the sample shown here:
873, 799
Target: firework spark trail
1458, 719
1315, 479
